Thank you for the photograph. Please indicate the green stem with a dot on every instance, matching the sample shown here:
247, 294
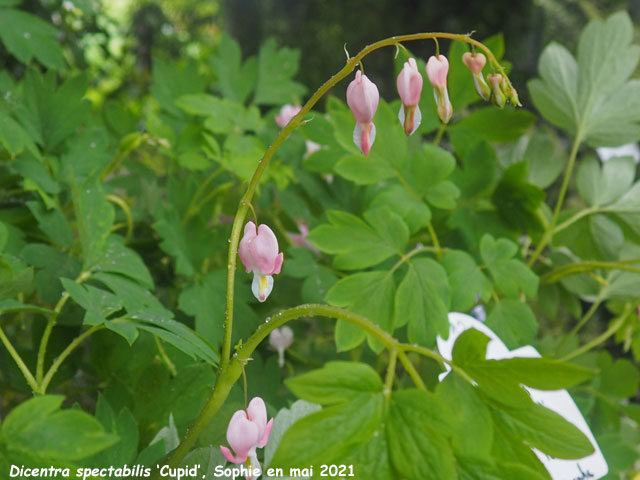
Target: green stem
65, 353
548, 235
411, 370
44, 341
600, 338
574, 331
28, 376
127, 212
416, 251
391, 374
588, 266
440, 133
192, 209
576, 217
165, 358
285, 132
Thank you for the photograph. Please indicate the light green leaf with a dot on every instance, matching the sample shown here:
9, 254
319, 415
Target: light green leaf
602, 184
592, 98
235, 79
312, 439
422, 302
358, 244
27, 36
509, 275
276, 67
363, 170
466, 280
368, 293
38, 427
514, 322
335, 382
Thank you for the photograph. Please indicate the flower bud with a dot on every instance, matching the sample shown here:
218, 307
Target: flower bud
512, 96
363, 98
476, 62
498, 85
258, 251
409, 85
281, 339
437, 70
287, 112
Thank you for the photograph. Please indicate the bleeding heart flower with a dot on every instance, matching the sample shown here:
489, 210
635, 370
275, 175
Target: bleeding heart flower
437, 70
287, 112
363, 98
498, 86
281, 339
248, 429
258, 251
409, 85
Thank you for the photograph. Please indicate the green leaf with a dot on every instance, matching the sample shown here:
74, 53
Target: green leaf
11, 306
92, 299
359, 244
518, 202
514, 322
335, 382
371, 295
593, 98
509, 275
472, 432
312, 439
276, 67
413, 211
38, 427
602, 184
27, 36
122, 260
417, 447
124, 426
171, 80
545, 430
465, 279
223, 115
489, 124
13, 136
477, 177
235, 79
362, 170
95, 217
53, 223
50, 114
422, 301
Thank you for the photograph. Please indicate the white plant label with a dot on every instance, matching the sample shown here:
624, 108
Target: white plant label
592, 467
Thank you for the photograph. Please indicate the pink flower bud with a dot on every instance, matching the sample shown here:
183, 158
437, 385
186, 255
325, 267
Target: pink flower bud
437, 70
287, 112
248, 429
281, 339
474, 61
363, 98
259, 254
409, 85
498, 85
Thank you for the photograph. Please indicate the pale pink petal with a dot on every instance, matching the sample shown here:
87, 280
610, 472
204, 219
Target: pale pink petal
437, 70
226, 453
264, 250
409, 83
243, 434
278, 264
267, 432
244, 247
257, 413
362, 98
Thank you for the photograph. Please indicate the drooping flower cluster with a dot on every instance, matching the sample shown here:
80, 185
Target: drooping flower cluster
248, 430
363, 96
258, 251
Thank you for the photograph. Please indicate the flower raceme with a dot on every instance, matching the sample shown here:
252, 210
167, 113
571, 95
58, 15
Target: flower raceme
287, 112
248, 429
409, 85
437, 70
363, 98
258, 251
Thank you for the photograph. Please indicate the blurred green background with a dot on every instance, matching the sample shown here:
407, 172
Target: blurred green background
116, 40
